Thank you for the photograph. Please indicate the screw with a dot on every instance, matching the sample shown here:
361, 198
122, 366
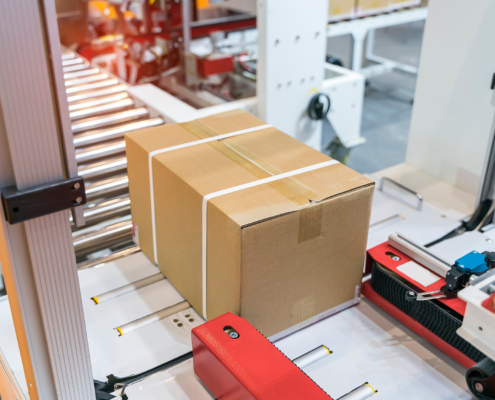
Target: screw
77, 185
479, 387
78, 199
234, 335
395, 258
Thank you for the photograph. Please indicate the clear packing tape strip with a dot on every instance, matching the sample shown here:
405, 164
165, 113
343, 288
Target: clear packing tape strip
272, 178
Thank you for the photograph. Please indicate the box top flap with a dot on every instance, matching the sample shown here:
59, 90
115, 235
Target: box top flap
222, 164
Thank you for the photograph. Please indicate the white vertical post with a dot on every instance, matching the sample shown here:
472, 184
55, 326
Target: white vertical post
37, 257
291, 55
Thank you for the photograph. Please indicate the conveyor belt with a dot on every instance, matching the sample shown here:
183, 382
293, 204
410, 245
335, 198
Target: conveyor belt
102, 112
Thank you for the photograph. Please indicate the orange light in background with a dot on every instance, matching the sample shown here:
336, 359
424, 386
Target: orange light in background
202, 4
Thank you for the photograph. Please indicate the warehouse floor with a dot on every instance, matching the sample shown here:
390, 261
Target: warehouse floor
388, 99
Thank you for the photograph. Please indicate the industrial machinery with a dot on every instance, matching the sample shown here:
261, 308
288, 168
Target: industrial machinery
106, 310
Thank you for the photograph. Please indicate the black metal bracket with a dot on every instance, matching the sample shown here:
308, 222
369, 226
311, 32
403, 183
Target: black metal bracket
23, 205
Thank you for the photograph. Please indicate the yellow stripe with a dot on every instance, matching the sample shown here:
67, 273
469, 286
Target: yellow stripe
121, 334
327, 349
374, 391
95, 299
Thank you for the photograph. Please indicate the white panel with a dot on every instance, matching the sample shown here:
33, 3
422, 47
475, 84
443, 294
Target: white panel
452, 116
367, 346
292, 46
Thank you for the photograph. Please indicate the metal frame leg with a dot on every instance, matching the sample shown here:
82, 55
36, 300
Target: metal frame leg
37, 256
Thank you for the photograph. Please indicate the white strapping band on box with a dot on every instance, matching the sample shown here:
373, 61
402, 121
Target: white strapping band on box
220, 192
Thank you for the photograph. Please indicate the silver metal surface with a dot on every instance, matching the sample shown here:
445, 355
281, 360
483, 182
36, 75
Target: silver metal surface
72, 61
79, 74
149, 319
419, 206
68, 56
312, 356
361, 393
78, 67
419, 253
150, 280
105, 188
434, 295
115, 255
86, 79
94, 213
114, 165
98, 101
112, 119
92, 86
102, 109
94, 153
96, 136
101, 238
97, 93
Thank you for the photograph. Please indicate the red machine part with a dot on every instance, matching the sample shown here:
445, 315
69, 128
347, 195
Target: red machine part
379, 254
489, 303
248, 367
215, 64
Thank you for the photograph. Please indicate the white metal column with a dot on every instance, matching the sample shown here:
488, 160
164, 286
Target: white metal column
292, 47
37, 257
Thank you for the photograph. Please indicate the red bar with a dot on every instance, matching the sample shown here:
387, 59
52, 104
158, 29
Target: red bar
249, 367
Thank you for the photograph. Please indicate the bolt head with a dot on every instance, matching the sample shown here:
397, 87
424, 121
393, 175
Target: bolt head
395, 258
77, 185
79, 199
234, 335
479, 387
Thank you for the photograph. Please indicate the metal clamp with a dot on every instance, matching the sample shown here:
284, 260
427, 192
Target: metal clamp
23, 205
419, 206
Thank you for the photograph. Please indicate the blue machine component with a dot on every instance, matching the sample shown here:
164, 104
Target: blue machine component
473, 263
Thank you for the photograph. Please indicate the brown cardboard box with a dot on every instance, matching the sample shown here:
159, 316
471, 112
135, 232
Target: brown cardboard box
279, 254
370, 7
340, 9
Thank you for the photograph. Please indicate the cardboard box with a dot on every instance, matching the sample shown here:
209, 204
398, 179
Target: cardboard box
371, 7
282, 254
340, 9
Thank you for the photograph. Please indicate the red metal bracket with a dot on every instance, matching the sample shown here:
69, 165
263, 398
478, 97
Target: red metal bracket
246, 367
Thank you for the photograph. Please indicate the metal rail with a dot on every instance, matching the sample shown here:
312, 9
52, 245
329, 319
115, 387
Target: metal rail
111, 119
102, 168
102, 238
112, 256
100, 152
107, 187
97, 136
93, 111
97, 93
419, 206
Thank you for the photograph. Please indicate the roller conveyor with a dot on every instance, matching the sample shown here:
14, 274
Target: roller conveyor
107, 188
100, 152
74, 106
102, 169
81, 73
92, 111
77, 67
102, 112
97, 93
101, 238
90, 86
98, 212
86, 79
109, 119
